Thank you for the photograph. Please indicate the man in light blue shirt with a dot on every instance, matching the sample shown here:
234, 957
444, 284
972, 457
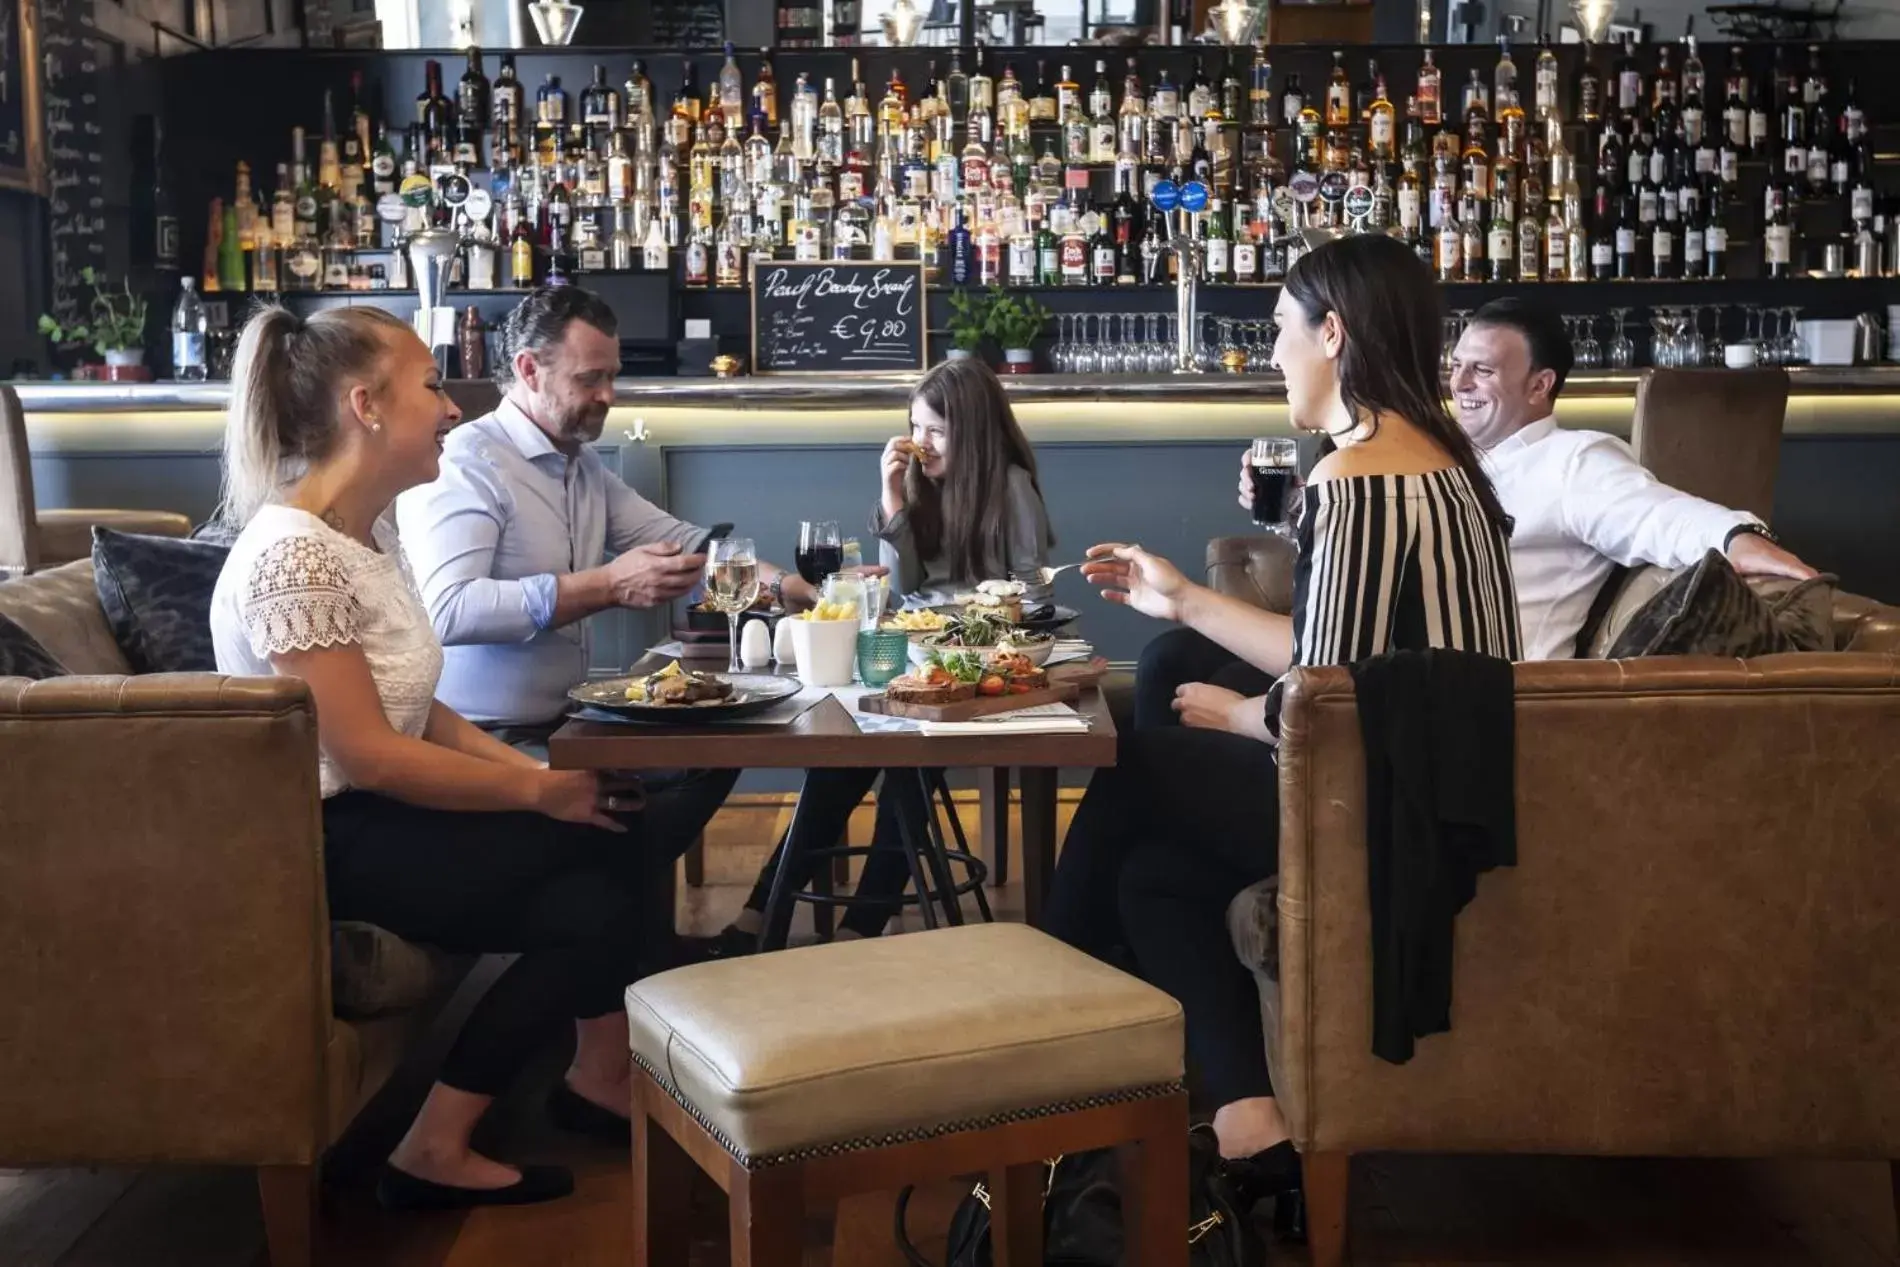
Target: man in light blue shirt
510, 543
509, 546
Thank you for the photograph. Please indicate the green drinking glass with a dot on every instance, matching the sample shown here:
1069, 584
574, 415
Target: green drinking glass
882, 655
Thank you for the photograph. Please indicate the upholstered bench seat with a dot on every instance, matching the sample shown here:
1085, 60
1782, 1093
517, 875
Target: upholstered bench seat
860, 1041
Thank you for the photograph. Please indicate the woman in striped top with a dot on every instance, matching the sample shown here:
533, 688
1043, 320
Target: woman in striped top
1402, 546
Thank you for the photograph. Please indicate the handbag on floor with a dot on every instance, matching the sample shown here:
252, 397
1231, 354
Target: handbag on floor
1082, 1220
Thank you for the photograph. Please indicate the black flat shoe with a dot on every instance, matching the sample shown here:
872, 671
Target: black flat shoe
1289, 1216
400, 1190
728, 943
574, 1112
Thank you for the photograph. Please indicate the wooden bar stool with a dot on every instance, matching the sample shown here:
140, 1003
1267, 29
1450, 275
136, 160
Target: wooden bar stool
33, 540
798, 1078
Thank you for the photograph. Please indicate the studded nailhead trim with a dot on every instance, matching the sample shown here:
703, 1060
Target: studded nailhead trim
908, 1136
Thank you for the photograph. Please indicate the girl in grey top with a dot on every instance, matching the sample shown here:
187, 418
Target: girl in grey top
960, 503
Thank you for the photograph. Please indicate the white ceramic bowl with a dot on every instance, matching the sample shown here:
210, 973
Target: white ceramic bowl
1037, 653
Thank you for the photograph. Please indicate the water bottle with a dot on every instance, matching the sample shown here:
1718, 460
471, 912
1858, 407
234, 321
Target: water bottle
188, 333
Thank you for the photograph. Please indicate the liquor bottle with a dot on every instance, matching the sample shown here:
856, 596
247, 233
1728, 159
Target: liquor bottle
1629, 79
266, 263
1504, 76
1529, 231
1664, 90
1104, 134
1695, 240
550, 104
731, 90
1430, 93
1477, 98
306, 192
1588, 89
699, 253
1501, 245
600, 104
1714, 237
433, 110
1103, 262
473, 108
1603, 236
1547, 78
1217, 248
959, 246
1778, 238
1824, 141
1449, 261
1662, 244
188, 334
1814, 83
1556, 245
765, 90
1794, 139
508, 99
1042, 98
1132, 119
1048, 254
1381, 123
982, 89
1338, 94
1627, 259
1472, 246
1259, 86
829, 126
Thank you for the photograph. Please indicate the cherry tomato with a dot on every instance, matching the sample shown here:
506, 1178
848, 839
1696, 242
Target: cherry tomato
991, 685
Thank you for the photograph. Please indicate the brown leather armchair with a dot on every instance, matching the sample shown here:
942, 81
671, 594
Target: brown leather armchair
31, 539
1672, 812
166, 987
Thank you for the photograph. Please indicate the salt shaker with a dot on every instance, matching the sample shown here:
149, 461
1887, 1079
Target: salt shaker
755, 645
782, 644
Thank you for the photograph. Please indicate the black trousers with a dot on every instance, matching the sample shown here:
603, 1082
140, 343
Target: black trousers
565, 898
824, 810
679, 804
1162, 843
1178, 657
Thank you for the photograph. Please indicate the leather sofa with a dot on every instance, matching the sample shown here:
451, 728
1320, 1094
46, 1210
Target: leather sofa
167, 992
1692, 956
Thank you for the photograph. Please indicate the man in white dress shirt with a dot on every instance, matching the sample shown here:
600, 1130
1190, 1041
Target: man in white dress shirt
1581, 501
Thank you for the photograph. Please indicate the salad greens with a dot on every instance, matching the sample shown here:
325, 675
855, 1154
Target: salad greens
964, 666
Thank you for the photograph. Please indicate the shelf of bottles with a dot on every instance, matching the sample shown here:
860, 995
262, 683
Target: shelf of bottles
1646, 163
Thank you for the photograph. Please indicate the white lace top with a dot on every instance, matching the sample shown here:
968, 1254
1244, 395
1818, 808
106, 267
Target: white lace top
293, 583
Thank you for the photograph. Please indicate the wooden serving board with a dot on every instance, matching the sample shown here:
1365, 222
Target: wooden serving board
970, 709
1083, 673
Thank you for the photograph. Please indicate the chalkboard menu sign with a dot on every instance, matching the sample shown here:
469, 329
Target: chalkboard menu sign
78, 62
837, 316
21, 123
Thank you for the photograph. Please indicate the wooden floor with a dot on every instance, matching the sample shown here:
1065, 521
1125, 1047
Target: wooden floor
1406, 1210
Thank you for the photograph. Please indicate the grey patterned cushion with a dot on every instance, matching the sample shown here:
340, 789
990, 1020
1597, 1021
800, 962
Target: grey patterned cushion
1710, 610
156, 592
21, 654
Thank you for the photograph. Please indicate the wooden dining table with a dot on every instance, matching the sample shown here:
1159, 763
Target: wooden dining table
825, 735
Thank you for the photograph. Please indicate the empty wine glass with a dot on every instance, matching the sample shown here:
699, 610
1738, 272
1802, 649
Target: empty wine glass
1620, 354
1796, 349
1589, 352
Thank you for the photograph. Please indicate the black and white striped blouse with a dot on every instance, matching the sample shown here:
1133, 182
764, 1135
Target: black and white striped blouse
1401, 563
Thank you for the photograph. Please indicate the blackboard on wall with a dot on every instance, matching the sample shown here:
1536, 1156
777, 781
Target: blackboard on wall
837, 317
21, 158
78, 61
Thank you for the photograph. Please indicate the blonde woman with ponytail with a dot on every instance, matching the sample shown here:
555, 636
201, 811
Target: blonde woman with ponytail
432, 829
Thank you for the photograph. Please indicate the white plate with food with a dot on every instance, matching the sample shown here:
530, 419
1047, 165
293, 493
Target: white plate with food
675, 694
987, 636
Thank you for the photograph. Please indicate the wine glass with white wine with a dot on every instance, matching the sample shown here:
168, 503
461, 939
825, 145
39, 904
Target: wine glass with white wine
732, 584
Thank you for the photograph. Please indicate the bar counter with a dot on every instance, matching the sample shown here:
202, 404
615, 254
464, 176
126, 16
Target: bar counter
103, 418
1149, 459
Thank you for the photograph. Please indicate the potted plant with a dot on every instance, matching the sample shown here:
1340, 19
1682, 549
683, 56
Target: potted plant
114, 325
968, 322
1015, 321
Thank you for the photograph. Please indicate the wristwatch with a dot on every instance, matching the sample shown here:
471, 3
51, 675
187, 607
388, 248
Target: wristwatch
778, 590
1759, 530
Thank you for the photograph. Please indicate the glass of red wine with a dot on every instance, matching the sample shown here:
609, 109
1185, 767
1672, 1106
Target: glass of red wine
820, 550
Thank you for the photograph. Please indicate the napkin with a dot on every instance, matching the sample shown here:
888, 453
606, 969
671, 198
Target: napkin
1043, 719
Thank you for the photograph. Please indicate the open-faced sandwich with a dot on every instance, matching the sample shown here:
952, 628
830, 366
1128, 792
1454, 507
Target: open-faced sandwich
1002, 598
987, 632
936, 683
680, 687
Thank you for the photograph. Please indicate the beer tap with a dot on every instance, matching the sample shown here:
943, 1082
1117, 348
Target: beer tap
1179, 205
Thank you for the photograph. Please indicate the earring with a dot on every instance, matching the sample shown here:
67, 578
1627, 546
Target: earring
375, 427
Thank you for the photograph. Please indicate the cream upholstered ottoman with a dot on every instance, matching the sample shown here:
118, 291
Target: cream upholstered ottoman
797, 1078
